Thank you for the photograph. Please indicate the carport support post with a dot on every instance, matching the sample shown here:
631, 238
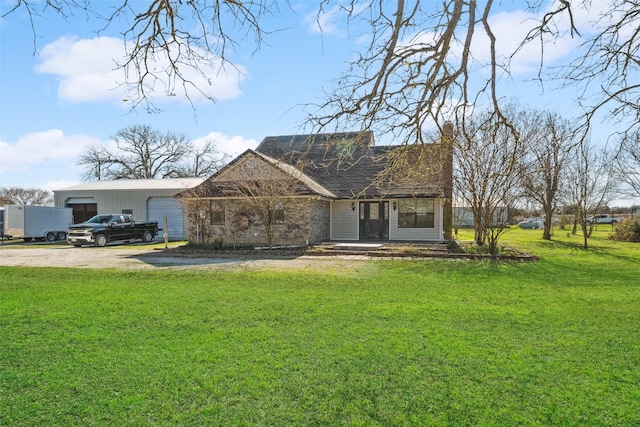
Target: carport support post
166, 234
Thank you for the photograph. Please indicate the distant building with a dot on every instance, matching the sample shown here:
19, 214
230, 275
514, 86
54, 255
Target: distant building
463, 216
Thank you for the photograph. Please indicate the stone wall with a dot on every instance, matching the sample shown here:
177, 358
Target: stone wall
305, 221
320, 213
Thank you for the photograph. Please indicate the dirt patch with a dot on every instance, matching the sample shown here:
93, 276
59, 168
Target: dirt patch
343, 260
145, 258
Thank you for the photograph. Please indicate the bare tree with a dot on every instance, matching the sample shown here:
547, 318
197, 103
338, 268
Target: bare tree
266, 200
199, 211
204, 160
251, 198
628, 162
548, 140
145, 153
419, 64
606, 70
264, 190
485, 175
165, 42
424, 60
591, 184
25, 196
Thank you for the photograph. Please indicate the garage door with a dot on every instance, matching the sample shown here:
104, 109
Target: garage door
159, 207
83, 208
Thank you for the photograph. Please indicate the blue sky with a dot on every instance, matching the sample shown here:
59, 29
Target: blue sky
55, 103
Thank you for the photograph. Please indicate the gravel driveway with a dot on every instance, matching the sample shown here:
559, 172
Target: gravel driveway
140, 257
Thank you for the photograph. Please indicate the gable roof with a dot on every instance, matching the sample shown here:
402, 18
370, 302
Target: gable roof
297, 174
339, 166
347, 164
221, 185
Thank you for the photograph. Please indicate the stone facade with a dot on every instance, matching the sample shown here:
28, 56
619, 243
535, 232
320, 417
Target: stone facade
320, 221
306, 221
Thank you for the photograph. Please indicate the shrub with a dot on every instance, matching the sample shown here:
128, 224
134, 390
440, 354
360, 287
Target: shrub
216, 245
627, 230
454, 246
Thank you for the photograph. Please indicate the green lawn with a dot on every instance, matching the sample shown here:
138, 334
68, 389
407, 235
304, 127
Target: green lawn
425, 342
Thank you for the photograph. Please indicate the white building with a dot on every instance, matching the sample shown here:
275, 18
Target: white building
463, 216
145, 199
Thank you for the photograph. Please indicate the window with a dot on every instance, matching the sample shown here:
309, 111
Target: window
415, 213
277, 213
216, 209
127, 211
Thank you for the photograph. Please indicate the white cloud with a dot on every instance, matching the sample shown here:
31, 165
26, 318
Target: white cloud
510, 29
328, 22
58, 185
38, 149
324, 22
48, 160
233, 146
87, 70
48, 157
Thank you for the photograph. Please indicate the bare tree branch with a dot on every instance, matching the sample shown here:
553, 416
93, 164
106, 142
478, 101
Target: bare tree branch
628, 164
590, 183
25, 196
485, 177
145, 153
548, 142
169, 40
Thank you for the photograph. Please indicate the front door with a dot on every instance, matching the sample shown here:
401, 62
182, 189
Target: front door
374, 220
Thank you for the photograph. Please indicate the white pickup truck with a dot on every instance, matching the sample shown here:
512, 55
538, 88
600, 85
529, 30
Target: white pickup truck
604, 219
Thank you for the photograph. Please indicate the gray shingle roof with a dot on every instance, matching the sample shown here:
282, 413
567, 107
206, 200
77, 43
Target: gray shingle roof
309, 184
344, 163
343, 166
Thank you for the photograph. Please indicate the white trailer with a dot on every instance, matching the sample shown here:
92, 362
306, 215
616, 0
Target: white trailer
30, 222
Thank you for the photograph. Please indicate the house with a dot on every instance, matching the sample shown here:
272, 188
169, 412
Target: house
145, 199
304, 189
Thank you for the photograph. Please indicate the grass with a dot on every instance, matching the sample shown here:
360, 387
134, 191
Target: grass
425, 342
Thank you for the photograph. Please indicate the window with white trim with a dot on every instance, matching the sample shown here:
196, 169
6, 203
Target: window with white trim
415, 213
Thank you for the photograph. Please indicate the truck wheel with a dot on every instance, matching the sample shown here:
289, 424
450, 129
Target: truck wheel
101, 240
147, 236
61, 235
51, 236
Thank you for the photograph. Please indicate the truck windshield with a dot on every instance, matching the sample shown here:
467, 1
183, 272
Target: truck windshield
99, 219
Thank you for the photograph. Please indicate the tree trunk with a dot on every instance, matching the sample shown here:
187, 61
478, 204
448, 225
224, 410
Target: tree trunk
585, 233
478, 227
546, 235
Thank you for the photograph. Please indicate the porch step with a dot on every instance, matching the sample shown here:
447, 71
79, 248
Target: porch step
357, 247
380, 249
